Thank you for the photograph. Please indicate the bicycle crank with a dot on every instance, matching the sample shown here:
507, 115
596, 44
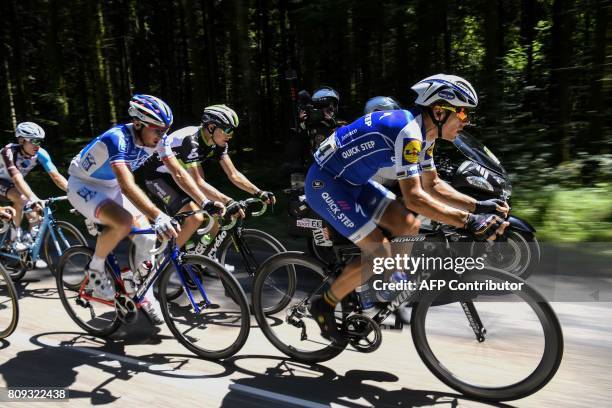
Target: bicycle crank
364, 333
126, 309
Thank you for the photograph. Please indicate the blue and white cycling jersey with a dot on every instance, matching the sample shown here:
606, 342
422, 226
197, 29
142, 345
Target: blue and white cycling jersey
377, 140
115, 146
339, 185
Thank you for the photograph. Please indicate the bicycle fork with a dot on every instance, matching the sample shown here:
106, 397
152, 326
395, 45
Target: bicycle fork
474, 319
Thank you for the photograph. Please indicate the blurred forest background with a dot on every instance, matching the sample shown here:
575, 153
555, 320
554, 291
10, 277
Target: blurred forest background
543, 71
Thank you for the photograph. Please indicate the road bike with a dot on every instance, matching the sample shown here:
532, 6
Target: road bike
9, 300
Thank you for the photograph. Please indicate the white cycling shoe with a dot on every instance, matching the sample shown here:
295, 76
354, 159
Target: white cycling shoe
152, 308
100, 284
19, 246
40, 264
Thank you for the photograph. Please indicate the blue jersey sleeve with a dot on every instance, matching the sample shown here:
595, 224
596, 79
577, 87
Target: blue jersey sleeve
116, 146
42, 156
408, 145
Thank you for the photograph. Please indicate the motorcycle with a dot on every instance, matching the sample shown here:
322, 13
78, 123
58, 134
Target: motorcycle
477, 172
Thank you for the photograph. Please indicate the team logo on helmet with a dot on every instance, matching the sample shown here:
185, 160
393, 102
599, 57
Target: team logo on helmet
411, 151
446, 94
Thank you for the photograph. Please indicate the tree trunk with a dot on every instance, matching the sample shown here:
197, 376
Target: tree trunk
598, 104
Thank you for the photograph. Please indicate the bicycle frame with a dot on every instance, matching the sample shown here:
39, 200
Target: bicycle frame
171, 254
47, 222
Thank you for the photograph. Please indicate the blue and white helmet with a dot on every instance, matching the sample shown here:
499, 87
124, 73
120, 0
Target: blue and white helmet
448, 88
150, 110
380, 103
29, 130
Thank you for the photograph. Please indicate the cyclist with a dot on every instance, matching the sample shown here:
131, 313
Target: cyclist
101, 187
18, 159
196, 145
380, 103
339, 186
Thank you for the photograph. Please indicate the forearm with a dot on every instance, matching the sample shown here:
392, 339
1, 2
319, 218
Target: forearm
188, 185
60, 181
23, 187
441, 191
212, 193
138, 198
430, 207
240, 181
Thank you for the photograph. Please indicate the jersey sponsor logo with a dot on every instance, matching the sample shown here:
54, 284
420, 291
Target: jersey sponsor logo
411, 151
334, 210
193, 154
358, 149
385, 115
309, 223
446, 94
25, 163
368, 119
86, 194
318, 184
359, 209
88, 161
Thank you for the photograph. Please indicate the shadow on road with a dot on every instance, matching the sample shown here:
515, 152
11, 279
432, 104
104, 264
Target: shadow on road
286, 382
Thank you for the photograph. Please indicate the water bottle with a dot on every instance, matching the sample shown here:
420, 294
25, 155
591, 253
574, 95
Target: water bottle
189, 245
128, 281
388, 295
366, 296
142, 272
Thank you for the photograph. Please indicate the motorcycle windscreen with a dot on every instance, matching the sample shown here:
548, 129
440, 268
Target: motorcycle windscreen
476, 151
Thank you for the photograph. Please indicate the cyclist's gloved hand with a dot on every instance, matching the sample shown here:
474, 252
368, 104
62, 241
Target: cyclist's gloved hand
484, 225
213, 208
494, 206
7, 213
266, 196
234, 208
163, 226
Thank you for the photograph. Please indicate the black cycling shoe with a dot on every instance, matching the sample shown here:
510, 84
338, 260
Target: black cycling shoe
323, 314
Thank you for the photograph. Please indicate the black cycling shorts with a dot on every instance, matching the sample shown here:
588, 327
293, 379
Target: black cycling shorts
5, 186
163, 191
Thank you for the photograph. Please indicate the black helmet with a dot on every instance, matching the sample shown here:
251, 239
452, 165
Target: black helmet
325, 96
380, 103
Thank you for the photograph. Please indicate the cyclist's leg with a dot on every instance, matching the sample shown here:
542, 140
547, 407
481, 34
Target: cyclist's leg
190, 225
19, 201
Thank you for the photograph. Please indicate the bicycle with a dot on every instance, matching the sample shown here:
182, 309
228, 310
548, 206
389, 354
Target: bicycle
192, 321
240, 250
8, 299
475, 359
53, 239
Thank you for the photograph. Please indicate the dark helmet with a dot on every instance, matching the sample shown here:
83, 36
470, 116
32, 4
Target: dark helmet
325, 96
380, 103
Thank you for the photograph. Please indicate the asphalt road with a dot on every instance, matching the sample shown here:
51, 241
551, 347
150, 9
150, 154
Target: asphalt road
138, 366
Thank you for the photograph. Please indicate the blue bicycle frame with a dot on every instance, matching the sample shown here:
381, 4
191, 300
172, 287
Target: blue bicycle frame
175, 257
47, 223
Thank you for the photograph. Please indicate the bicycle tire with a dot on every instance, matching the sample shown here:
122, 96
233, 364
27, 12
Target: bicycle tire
543, 373
12, 293
269, 266
237, 294
61, 290
47, 242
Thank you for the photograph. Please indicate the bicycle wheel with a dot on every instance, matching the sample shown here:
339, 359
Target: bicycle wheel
66, 236
221, 327
521, 347
243, 255
292, 329
9, 304
95, 316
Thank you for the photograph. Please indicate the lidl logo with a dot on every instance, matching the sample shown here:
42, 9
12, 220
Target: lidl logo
411, 151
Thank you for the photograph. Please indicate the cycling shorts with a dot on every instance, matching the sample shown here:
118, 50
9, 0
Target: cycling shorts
353, 210
163, 191
88, 198
5, 186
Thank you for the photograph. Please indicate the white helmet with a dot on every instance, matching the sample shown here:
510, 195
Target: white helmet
220, 115
29, 130
448, 88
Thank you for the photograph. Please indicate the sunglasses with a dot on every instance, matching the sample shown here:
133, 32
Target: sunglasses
228, 130
461, 113
35, 142
158, 130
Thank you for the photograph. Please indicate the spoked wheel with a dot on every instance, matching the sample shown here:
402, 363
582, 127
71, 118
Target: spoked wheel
9, 304
292, 329
16, 268
60, 237
96, 316
243, 256
221, 326
495, 345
